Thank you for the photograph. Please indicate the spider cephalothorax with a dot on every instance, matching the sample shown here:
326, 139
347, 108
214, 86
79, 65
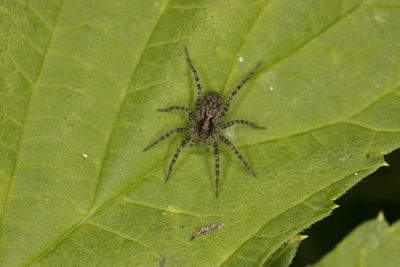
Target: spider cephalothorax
205, 127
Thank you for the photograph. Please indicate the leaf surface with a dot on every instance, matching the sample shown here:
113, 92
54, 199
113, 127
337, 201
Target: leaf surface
374, 243
284, 255
80, 82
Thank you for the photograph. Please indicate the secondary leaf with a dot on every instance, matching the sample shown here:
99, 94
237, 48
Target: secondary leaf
80, 82
374, 243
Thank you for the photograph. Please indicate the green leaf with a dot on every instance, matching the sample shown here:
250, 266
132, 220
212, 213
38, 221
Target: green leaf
80, 82
374, 243
285, 254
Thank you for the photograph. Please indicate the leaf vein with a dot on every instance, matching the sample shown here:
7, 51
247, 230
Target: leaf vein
87, 66
72, 116
235, 62
372, 129
17, 68
323, 30
26, 113
169, 42
12, 120
124, 98
129, 200
302, 202
328, 124
91, 214
147, 87
117, 234
34, 12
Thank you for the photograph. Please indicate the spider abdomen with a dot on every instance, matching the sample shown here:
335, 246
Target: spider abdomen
211, 105
205, 128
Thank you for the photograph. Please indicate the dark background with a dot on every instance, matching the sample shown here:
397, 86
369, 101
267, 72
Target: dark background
378, 192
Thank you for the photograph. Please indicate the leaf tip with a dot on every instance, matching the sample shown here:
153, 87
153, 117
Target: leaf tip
297, 238
385, 164
381, 216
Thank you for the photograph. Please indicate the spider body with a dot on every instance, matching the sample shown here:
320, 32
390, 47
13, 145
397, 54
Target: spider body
210, 107
205, 127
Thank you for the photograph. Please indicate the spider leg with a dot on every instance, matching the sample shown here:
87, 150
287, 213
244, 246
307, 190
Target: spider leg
216, 153
234, 92
171, 165
208, 147
192, 143
177, 130
230, 123
228, 143
188, 110
196, 79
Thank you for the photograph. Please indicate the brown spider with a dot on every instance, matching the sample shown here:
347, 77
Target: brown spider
205, 125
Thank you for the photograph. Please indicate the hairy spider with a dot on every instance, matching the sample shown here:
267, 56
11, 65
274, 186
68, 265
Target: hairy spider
205, 125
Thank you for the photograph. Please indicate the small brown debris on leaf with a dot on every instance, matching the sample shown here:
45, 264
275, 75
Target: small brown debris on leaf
207, 230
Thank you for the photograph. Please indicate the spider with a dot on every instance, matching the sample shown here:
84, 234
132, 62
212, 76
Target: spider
205, 125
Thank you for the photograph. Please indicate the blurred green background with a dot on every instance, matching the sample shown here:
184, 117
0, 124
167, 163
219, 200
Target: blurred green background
377, 192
